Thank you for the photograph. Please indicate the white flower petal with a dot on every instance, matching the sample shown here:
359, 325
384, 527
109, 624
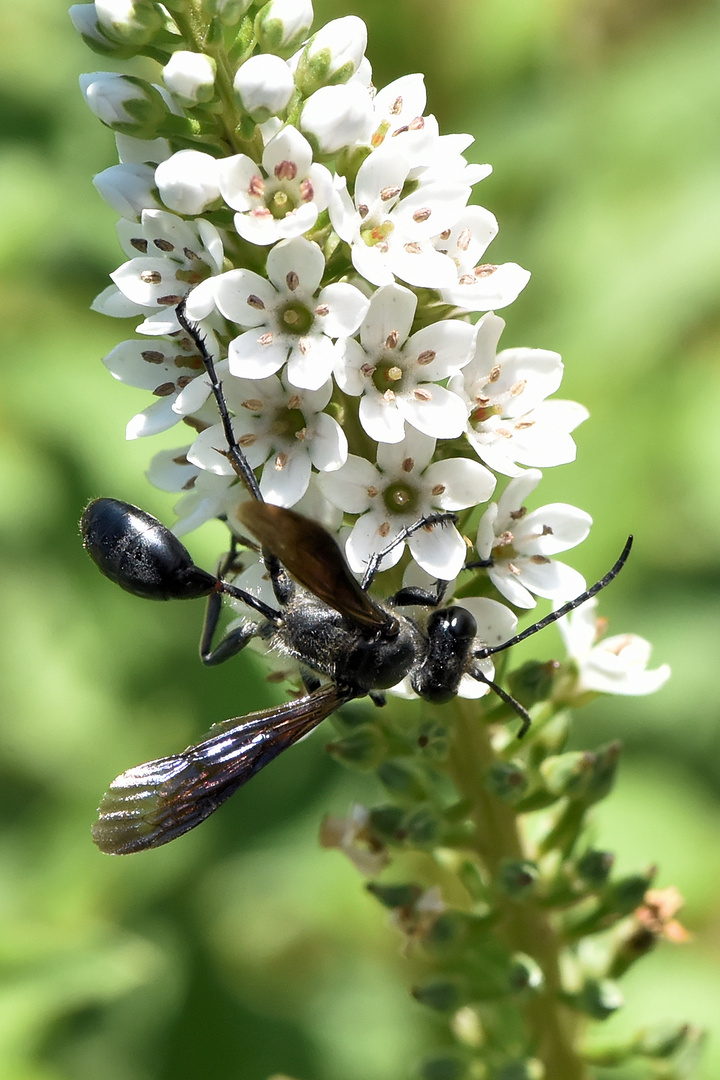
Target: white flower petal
328, 447
285, 486
381, 418
463, 482
440, 551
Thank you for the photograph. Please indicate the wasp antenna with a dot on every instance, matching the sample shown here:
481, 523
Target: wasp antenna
565, 609
234, 453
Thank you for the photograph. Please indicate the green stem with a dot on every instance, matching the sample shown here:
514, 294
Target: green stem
525, 927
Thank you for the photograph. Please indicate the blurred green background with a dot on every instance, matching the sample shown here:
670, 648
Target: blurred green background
243, 949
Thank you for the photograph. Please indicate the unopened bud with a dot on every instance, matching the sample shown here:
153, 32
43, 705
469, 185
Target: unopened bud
516, 878
128, 189
594, 867
362, 748
663, 1040
229, 12
402, 780
386, 823
188, 182
568, 774
507, 781
598, 998
129, 22
282, 25
532, 681
422, 826
443, 994
264, 86
446, 1066
190, 77
337, 116
124, 103
395, 896
524, 974
527, 1069
332, 55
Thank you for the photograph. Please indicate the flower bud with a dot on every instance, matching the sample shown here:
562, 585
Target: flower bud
433, 741
129, 22
594, 867
124, 103
444, 994
229, 12
527, 1069
517, 878
626, 894
598, 998
507, 781
402, 780
84, 19
188, 182
337, 116
532, 681
663, 1040
445, 1066
362, 748
190, 77
568, 774
524, 974
422, 826
332, 55
386, 823
395, 896
129, 189
264, 86
281, 25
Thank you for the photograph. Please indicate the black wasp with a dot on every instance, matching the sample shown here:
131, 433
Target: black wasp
348, 644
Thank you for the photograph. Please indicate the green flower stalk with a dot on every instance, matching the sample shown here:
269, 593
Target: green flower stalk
317, 317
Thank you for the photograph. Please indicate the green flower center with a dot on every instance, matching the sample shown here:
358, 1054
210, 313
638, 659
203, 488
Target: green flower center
388, 375
287, 424
296, 319
377, 234
280, 204
401, 498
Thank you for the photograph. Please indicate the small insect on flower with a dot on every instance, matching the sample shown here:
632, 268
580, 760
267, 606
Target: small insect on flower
348, 644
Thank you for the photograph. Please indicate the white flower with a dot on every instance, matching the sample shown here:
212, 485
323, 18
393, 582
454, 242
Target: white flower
171, 257
264, 86
399, 125
128, 189
477, 286
397, 373
403, 487
391, 235
337, 116
190, 77
510, 422
614, 665
165, 367
188, 182
286, 200
274, 420
518, 544
292, 322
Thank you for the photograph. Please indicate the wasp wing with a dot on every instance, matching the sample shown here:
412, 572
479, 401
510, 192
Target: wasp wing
311, 555
154, 803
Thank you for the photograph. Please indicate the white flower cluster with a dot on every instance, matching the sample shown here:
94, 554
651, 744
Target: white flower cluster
325, 245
